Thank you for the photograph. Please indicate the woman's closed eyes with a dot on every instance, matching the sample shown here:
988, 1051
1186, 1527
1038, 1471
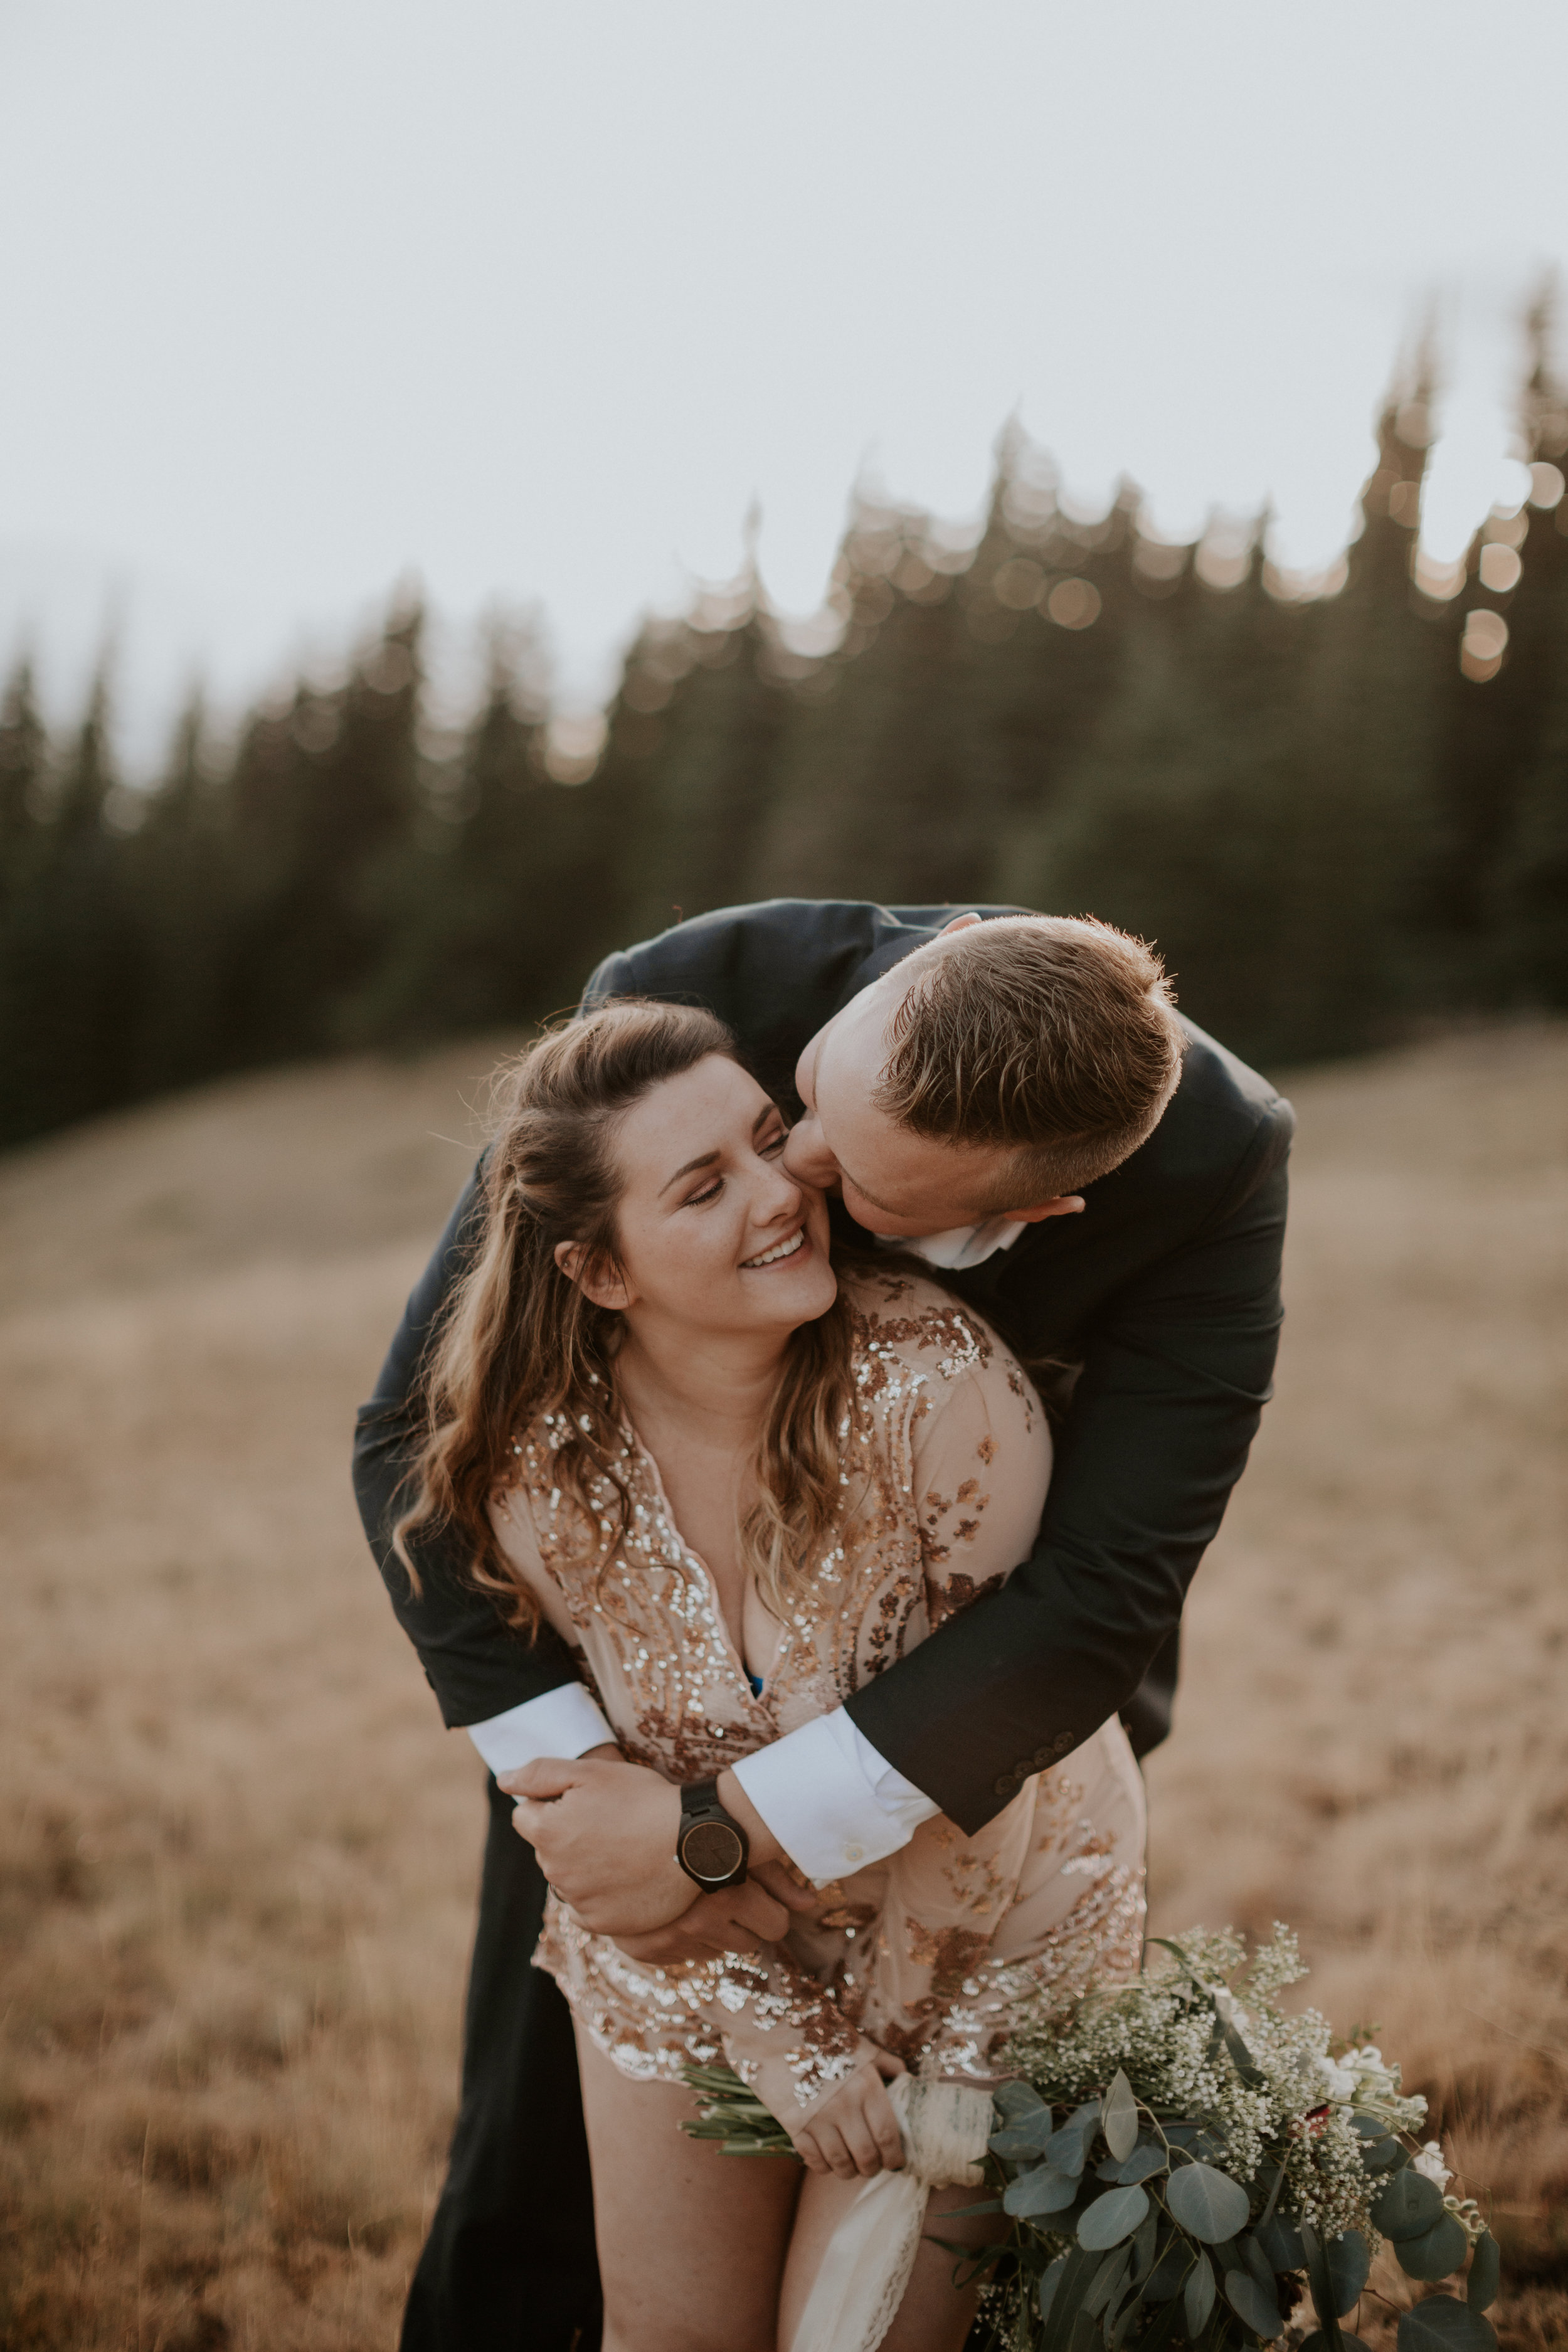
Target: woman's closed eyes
770, 1150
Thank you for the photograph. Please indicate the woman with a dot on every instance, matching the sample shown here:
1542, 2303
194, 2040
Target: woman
739, 1485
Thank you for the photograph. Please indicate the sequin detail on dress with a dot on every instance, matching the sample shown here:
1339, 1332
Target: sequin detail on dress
927, 1954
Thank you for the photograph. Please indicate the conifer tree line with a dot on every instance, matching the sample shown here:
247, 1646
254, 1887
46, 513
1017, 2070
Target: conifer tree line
1338, 816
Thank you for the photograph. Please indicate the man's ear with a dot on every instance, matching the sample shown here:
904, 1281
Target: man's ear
599, 1283
959, 923
1067, 1204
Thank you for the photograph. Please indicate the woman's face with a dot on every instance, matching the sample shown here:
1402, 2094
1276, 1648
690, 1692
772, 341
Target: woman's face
711, 1232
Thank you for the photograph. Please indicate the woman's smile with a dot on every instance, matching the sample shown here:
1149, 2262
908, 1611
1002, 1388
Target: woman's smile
788, 1247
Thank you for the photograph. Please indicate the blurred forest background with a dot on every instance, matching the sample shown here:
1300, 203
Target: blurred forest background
1341, 809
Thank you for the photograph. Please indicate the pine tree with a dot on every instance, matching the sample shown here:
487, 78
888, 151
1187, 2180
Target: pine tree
24, 778
326, 797
1505, 773
492, 893
71, 975
1355, 947
1176, 822
181, 887
689, 774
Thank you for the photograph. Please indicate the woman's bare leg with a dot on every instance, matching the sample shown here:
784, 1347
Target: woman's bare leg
933, 2316
691, 2241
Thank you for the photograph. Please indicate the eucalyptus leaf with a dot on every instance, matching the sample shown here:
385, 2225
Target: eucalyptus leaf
1383, 2155
1107, 2279
1118, 2324
1437, 2254
1166, 2278
1144, 2243
1068, 2148
1207, 2203
1050, 2279
1018, 2102
1281, 2242
1113, 2217
1118, 2116
1142, 2164
1442, 2325
1017, 2143
1486, 2272
1348, 2259
1198, 2297
1322, 2287
1161, 2328
1259, 2311
1255, 2261
1408, 2207
1043, 2190
1241, 2058
1066, 2302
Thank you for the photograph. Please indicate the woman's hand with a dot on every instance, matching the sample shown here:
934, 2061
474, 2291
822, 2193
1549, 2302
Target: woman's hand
854, 2131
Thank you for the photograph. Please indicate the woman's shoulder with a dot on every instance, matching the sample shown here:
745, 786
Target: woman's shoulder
902, 1316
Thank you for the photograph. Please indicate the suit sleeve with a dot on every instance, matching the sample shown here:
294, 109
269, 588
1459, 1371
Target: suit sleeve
477, 1667
1174, 1381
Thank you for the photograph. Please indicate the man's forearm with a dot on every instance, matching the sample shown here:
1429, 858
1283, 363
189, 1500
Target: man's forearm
1158, 1435
826, 1798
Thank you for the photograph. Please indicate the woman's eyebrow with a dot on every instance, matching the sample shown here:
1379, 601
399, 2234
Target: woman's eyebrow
703, 1160
706, 1159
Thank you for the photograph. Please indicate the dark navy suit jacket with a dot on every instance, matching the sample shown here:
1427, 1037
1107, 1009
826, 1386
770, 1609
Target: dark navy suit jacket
1165, 1292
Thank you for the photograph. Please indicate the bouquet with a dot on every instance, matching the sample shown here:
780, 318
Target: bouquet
1182, 2163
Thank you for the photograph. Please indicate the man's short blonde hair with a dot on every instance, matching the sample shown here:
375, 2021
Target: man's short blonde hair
1056, 1035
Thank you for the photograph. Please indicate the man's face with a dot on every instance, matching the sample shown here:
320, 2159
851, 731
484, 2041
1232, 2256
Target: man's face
894, 1182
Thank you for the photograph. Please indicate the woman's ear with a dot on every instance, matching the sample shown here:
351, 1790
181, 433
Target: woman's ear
599, 1283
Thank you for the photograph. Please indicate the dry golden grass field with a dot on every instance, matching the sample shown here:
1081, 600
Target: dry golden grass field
238, 1854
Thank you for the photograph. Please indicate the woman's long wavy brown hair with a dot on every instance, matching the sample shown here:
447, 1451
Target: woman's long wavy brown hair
520, 1340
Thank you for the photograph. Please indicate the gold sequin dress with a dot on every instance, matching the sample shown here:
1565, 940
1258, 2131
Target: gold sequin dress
928, 1953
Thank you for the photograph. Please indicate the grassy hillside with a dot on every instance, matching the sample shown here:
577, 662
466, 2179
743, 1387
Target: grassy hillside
238, 1854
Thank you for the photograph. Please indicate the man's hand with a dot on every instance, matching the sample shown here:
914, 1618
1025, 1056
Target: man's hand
733, 1919
605, 1834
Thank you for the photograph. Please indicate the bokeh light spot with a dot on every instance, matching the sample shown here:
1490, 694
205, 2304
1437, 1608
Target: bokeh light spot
1074, 604
1018, 584
1501, 568
1481, 647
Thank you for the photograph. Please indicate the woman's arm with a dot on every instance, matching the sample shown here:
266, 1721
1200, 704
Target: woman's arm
982, 1454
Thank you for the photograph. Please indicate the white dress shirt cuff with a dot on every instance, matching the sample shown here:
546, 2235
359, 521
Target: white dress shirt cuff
565, 1722
831, 1801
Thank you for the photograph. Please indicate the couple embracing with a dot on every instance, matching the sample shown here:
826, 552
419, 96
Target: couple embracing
790, 1470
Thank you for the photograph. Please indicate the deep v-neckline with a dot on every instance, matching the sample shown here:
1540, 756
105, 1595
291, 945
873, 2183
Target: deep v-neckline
755, 1688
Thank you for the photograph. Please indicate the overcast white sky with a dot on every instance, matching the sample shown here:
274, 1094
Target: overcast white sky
300, 296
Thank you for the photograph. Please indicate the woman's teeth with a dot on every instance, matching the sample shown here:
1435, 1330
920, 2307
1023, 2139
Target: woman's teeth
784, 1249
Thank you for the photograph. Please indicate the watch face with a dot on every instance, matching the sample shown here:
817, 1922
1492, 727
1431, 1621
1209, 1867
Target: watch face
711, 1850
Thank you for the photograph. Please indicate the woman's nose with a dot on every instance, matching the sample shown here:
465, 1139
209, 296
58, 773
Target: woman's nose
781, 1195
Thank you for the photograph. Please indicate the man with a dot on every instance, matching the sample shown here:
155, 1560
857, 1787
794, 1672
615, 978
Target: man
1106, 1185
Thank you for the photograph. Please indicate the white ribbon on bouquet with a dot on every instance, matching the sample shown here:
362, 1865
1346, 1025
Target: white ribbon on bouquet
856, 2294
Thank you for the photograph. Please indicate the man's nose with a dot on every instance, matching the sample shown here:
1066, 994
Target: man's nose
806, 1156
